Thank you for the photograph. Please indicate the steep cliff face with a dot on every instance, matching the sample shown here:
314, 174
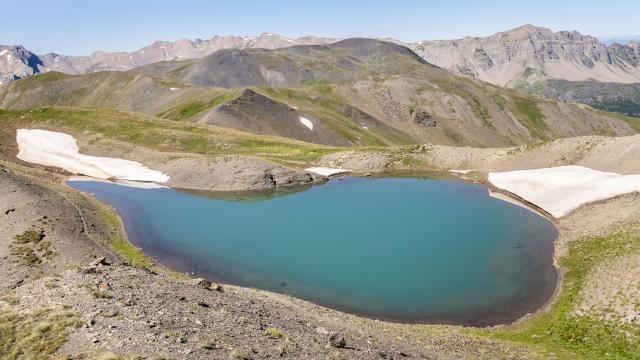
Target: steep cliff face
528, 54
17, 62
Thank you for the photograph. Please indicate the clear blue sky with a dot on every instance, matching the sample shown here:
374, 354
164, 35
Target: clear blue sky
79, 27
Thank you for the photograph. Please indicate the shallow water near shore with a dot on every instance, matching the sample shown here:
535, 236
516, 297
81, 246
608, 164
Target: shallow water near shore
407, 250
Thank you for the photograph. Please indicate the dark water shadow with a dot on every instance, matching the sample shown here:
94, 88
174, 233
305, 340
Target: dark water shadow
247, 196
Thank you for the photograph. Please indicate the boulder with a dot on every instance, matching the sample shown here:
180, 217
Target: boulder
337, 340
201, 283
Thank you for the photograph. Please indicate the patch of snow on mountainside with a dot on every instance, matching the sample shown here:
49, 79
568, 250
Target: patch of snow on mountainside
61, 150
560, 190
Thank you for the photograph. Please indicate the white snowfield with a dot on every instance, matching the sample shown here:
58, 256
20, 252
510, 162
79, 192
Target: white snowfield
61, 150
306, 122
560, 190
325, 171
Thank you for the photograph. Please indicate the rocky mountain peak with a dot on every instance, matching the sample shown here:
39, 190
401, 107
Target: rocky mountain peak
17, 62
528, 54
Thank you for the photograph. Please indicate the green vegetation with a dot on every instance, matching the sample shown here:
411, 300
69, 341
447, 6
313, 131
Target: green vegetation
500, 101
188, 110
632, 121
165, 135
240, 355
170, 333
207, 344
119, 243
29, 236
528, 71
619, 98
274, 333
527, 110
480, 112
319, 99
624, 106
38, 80
561, 332
9, 298
26, 255
101, 294
34, 335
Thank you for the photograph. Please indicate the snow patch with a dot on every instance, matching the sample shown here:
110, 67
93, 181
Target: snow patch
326, 171
560, 190
3, 52
61, 150
306, 122
457, 171
174, 89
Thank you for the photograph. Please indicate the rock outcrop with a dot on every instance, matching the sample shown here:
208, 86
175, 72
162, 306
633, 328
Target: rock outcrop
527, 54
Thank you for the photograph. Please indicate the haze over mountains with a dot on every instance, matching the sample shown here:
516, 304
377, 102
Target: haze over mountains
18, 62
516, 57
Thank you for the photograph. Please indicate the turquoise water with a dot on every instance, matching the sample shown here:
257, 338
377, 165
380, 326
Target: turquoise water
398, 249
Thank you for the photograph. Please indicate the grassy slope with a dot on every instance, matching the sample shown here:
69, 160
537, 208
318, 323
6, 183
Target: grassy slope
39, 333
164, 135
320, 99
558, 331
493, 107
613, 97
35, 335
191, 108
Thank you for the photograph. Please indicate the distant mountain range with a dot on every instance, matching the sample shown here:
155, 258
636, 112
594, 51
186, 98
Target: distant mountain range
563, 65
512, 58
609, 40
528, 54
17, 62
354, 92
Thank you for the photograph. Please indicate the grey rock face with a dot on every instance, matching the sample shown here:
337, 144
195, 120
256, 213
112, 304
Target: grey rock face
17, 62
528, 54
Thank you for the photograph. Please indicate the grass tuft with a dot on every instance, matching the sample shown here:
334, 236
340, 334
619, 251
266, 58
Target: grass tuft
34, 335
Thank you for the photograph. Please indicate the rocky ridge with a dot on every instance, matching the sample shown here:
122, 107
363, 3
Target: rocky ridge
18, 62
528, 54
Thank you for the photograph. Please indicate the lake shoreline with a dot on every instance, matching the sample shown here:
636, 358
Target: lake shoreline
500, 320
